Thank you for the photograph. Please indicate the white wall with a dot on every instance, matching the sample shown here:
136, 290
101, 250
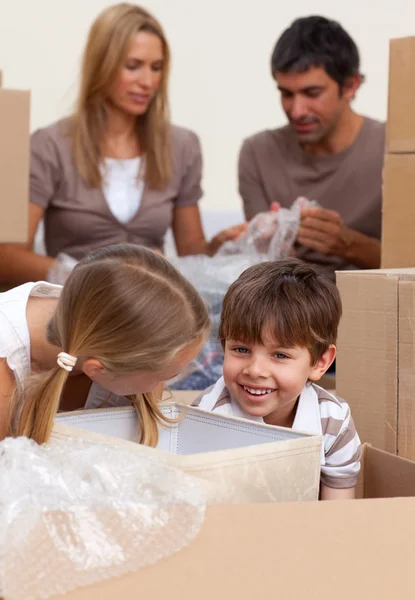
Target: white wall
220, 86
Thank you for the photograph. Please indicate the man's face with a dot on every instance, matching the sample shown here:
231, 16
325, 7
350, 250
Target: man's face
313, 103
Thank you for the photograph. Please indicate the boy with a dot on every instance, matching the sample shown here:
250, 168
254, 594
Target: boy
278, 330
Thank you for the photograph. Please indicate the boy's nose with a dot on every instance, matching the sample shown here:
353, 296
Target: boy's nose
257, 368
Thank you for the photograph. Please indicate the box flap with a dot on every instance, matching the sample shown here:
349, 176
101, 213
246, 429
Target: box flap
14, 165
366, 371
387, 476
290, 551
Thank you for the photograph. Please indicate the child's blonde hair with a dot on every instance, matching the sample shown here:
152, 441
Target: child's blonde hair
127, 307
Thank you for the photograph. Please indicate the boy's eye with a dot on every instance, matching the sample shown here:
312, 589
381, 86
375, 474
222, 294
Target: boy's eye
280, 355
241, 350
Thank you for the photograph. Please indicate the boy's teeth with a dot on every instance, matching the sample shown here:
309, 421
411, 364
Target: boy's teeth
257, 392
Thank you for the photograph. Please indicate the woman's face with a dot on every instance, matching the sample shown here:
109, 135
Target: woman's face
140, 75
141, 382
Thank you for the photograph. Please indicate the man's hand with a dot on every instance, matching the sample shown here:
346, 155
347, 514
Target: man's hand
323, 230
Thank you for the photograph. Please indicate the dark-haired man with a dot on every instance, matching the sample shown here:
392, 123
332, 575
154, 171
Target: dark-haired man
327, 152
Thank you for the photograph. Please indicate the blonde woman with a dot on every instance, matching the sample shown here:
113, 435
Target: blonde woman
115, 171
125, 321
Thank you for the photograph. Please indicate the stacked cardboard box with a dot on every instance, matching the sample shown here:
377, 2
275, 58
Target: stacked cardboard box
376, 345
398, 224
376, 356
14, 164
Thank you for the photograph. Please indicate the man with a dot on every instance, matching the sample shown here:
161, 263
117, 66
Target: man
326, 153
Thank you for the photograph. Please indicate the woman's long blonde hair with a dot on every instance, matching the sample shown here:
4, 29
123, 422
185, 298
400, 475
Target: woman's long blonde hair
107, 46
127, 307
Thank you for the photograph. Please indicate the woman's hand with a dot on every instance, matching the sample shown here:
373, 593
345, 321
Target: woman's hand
229, 234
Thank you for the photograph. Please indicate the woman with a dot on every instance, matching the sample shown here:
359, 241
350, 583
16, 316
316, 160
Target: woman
125, 321
116, 170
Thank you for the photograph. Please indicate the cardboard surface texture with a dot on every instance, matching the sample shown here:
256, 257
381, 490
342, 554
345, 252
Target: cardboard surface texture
398, 219
260, 551
401, 116
376, 356
14, 165
237, 461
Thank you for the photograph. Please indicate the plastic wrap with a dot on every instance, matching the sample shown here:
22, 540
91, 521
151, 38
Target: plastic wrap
76, 513
269, 236
61, 268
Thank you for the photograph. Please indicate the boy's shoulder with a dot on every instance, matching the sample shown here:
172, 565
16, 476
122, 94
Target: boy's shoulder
327, 396
334, 410
214, 397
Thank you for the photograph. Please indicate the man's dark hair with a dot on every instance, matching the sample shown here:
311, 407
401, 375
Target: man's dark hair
316, 42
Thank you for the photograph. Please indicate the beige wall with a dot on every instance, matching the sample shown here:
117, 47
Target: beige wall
220, 84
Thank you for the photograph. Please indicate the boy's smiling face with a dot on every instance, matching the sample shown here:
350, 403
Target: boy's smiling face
266, 379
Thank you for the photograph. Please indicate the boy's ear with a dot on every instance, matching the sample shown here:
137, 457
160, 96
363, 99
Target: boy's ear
323, 363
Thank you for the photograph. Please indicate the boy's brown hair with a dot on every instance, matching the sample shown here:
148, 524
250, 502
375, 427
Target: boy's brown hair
297, 304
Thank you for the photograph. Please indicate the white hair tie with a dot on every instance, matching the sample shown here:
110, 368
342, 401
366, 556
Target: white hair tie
66, 361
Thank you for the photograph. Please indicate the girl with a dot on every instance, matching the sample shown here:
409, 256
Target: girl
125, 321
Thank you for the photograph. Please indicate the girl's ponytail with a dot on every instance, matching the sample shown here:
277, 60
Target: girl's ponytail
40, 405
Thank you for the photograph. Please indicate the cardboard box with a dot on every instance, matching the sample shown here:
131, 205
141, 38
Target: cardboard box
236, 460
376, 356
400, 135
398, 218
14, 165
353, 549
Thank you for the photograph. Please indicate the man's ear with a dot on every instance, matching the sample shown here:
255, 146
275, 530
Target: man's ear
323, 363
350, 87
93, 368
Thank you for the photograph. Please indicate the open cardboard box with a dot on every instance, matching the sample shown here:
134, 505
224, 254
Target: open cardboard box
376, 356
363, 549
235, 460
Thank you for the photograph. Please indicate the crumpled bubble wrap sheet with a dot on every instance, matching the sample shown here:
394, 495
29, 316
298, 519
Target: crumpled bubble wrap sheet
76, 513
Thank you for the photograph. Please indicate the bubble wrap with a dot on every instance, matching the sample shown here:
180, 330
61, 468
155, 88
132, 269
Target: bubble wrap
77, 513
269, 236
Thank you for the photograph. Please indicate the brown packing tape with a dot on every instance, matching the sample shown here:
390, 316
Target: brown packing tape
406, 383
